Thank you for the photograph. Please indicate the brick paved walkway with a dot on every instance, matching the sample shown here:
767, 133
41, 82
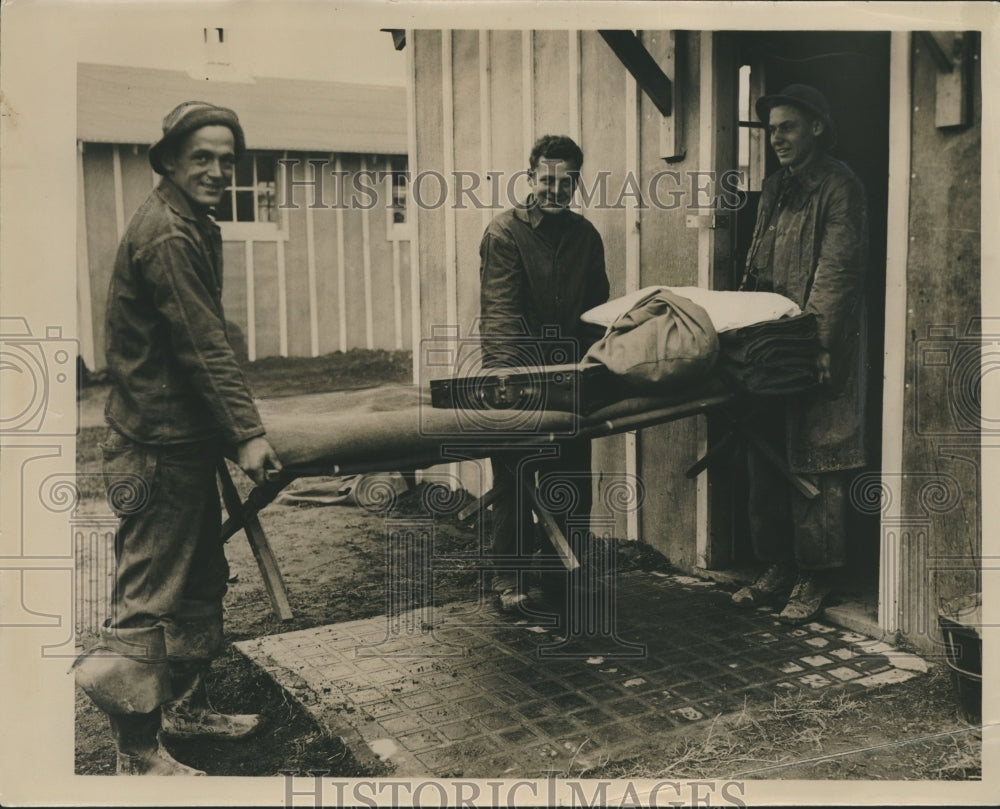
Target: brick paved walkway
462, 690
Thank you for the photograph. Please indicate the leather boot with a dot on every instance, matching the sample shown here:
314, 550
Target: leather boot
771, 585
139, 749
191, 715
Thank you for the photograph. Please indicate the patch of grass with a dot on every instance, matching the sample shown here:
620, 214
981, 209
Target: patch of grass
351, 370
89, 482
830, 735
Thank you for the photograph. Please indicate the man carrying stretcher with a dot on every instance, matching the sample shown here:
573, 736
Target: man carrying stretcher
542, 266
178, 400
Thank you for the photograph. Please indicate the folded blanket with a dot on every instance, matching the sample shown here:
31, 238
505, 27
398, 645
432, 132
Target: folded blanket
773, 358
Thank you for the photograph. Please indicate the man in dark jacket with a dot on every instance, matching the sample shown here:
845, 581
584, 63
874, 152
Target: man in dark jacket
179, 400
542, 266
809, 244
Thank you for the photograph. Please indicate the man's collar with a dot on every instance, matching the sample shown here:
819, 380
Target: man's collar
530, 213
178, 201
811, 174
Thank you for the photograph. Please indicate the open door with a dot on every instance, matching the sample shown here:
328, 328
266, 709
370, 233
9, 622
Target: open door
852, 70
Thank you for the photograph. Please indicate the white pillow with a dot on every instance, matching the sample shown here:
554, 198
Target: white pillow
728, 310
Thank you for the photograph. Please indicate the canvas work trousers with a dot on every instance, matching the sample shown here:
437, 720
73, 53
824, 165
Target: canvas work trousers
563, 484
171, 569
786, 527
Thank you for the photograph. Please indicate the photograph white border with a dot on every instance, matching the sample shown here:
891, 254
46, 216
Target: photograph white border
39, 43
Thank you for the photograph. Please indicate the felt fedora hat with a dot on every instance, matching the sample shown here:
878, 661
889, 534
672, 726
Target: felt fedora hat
805, 98
184, 119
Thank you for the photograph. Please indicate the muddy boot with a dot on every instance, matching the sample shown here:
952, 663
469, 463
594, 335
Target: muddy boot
139, 748
191, 715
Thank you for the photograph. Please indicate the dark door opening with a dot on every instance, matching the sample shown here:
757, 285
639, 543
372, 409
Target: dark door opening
852, 71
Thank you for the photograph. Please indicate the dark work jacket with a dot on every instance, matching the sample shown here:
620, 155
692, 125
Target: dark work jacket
533, 285
174, 375
816, 255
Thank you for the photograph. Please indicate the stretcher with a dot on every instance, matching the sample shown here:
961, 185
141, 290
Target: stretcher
397, 429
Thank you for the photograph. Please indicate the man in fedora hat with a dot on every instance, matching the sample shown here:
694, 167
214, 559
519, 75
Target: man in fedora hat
809, 244
179, 400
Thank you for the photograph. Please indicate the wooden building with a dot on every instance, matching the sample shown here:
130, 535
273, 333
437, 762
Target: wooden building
317, 259
908, 111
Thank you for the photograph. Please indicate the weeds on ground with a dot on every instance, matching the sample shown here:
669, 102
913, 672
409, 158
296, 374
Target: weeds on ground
808, 736
772, 735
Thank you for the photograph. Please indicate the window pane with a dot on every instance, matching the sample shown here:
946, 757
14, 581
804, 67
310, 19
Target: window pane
266, 203
265, 167
224, 210
244, 206
244, 170
398, 197
744, 97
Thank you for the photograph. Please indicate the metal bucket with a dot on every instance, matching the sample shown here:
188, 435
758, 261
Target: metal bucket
960, 619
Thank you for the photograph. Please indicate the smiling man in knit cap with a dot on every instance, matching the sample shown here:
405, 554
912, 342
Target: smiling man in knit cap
179, 401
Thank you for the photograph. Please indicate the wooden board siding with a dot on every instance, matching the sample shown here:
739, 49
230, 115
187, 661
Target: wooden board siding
325, 238
533, 70
297, 263
939, 519
669, 255
509, 151
602, 113
380, 263
468, 155
102, 235
406, 309
551, 55
354, 260
265, 272
109, 194
137, 177
234, 284
430, 157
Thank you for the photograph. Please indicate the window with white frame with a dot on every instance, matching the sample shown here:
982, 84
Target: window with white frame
253, 196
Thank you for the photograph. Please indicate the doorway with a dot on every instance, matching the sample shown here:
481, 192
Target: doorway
852, 70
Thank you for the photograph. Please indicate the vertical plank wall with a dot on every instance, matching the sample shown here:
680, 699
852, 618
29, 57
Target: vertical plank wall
297, 257
669, 251
602, 136
554, 82
940, 531
342, 276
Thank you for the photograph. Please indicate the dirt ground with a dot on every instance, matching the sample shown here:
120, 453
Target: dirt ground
334, 563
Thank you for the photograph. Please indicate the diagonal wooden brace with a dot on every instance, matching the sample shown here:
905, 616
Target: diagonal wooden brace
804, 486
551, 529
244, 515
486, 499
741, 426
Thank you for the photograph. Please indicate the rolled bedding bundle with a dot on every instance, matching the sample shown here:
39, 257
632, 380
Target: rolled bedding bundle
663, 337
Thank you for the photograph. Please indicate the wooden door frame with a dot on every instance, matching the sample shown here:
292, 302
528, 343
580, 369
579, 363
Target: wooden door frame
894, 371
716, 149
